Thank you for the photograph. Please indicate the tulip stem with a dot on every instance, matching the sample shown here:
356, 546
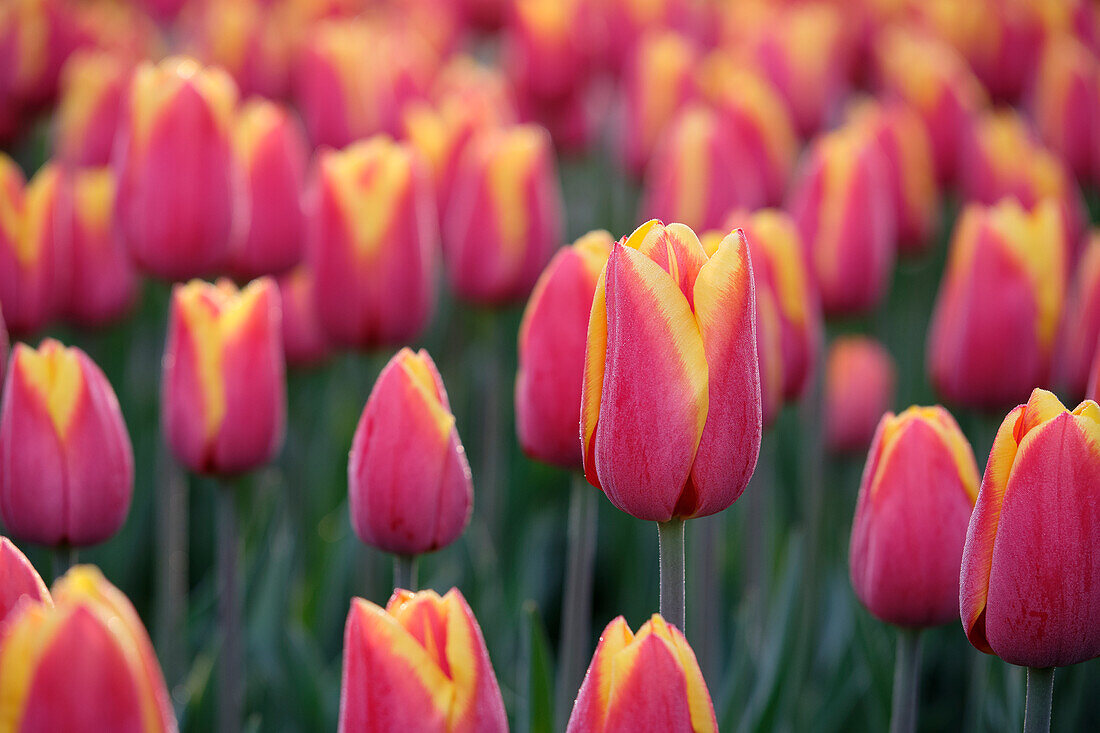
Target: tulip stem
230, 662
577, 596
903, 718
1040, 690
404, 572
64, 557
670, 542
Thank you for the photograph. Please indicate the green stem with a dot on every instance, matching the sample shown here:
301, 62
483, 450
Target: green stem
670, 540
577, 597
64, 557
404, 572
1040, 690
172, 550
230, 660
903, 718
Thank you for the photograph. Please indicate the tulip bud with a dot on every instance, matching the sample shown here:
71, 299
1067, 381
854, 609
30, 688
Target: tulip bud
1027, 592
409, 487
372, 243
420, 664
552, 339
843, 208
860, 381
223, 393
644, 681
505, 219
243, 37
84, 665
18, 581
670, 412
273, 153
918, 489
997, 312
549, 49
1065, 103
699, 173
92, 85
177, 182
66, 463
34, 40
1080, 331
304, 340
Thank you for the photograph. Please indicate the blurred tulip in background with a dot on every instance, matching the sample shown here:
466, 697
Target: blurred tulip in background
860, 385
1065, 104
92, 87
1080, 331
304, 340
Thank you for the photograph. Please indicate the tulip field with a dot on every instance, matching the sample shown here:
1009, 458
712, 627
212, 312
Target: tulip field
597, 366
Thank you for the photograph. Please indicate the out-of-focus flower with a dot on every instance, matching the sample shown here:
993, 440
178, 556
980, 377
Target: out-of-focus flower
372, 243
178, 191
843, 206
506, 217
670, 413
549, 48
409, 487
1065, 104
918, 489
35, 38
629, 21
420, 664
1080, 331
552, 340
117, 27
997, 313
164, 10
83, 665
644, 681
1094, 377
304, 340
273, 153
1027, 591
4, 345
66, 463
223, 393
699, 172
860, 380
19, 581
92, 86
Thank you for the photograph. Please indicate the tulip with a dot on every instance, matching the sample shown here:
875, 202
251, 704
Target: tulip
1080, 331
34, 40
641, 682
304, 340
66, 462
273, 153
19, 581
1065, 103
997, 312
4, 346
372, 243
843, 208
505, 219
420, 664
223, 395
860, 380
177, 183
83, 665
92, 86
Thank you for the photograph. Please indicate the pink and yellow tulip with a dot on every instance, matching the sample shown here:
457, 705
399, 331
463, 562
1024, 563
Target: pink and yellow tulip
35, 37
1065, 104
247, 38
860, 381
304, 339
19, 581
92, 88
1080, 331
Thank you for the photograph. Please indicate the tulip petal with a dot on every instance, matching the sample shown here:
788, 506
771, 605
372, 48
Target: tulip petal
595, 360
590, 708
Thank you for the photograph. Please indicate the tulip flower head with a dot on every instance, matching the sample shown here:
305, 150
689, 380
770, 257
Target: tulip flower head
1065, 103
5, 345
66, 462
223, 393
644, 681
304, 340
1080, 330
420, 664
670, 406
1027, 591
919, 487
92, 87
19, 581
860, 381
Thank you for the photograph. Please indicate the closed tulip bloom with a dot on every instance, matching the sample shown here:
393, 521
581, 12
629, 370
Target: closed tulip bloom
1027, 592
223, 392
19, 581
670, 413
997, 312
918, 489
4, 347
1065, 103
66, 462
244, 37
549, 50
506, 217
1080, 330
304, 340
273, 153
92, 87
372, 243
178, 188
409, 487
860, 380
419, 664
643, 682
844, 210
83, 665
34, 40
552, 338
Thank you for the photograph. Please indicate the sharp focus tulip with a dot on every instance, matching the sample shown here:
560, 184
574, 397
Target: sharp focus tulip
419, 664
552, 340
66, 463
1065, 104
918, 489
92, 86
372, 243
1028, 586
1080, 331
223, 393
178, 187
273, 153
1000, 302
647, 681
19, 581
860, 379
843, 207
83, 665
409, 487
304, 340
505, 219
670, 413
